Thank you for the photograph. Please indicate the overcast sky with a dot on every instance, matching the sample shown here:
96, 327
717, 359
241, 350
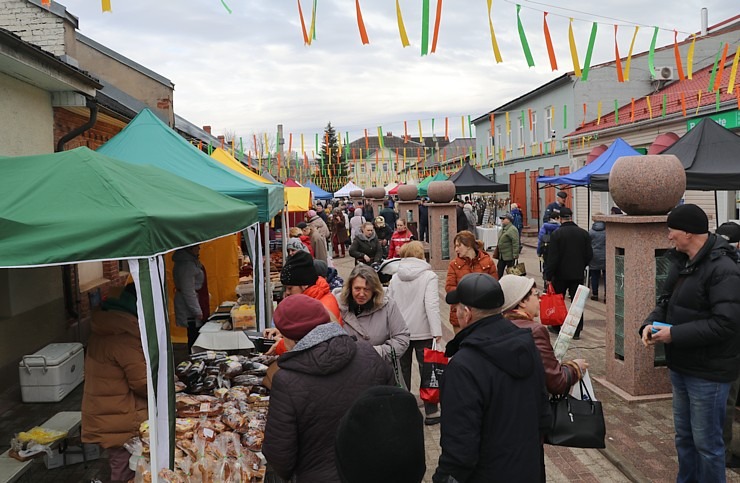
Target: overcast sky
249, 70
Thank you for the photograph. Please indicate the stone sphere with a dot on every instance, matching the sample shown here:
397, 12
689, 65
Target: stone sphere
407, 192
441, 191
355, 194
647, 185
375, 193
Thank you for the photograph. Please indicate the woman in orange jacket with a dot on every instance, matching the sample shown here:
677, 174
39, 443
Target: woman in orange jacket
471, 258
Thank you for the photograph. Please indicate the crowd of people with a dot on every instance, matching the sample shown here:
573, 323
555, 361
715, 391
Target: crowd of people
346, 350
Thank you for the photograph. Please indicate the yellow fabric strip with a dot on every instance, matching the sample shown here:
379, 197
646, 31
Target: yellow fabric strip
106, 6
401, 26
494, 43
421, 136
690, 59
733, 72
508, 124
629, 57
650, 108
573, 51
598, 113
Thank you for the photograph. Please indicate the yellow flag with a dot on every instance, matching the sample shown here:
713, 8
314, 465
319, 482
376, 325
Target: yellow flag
629, 57
106, 6
462, 124
650, 108
508, 124
690, 59
733, 72
421, 136
401, 27
573, 51
494, 43
598, 113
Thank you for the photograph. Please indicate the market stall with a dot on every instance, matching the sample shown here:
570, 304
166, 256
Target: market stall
116, 211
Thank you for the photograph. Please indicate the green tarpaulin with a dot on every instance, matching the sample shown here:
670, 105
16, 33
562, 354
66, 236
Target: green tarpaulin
79, 205
148, 141
422, 187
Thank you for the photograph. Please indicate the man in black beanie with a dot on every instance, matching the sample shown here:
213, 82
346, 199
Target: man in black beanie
700, 302
381, 438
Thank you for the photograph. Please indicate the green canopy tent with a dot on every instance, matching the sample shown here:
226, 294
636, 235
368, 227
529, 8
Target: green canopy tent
79, 205
146, 140
422, 187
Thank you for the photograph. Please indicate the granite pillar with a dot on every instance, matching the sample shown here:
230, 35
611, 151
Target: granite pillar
442, 231
635, 271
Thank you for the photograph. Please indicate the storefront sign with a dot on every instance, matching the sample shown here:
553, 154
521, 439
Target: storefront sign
729, 120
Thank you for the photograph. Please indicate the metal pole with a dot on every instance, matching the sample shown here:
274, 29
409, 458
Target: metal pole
286, 230
716, 211
268, 286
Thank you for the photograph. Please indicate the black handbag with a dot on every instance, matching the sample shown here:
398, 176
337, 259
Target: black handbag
577, 423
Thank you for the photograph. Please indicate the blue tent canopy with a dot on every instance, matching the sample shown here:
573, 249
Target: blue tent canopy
318, 193
601, 165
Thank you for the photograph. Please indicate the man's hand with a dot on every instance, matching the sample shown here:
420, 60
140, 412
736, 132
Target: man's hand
367, 259
663, 335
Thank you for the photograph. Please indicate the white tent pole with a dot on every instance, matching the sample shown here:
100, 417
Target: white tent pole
286, 234
268, 286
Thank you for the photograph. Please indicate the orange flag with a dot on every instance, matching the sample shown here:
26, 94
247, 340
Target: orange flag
361, 24
677, 54
632, 111
548, 42
620, 72
437, 21
721, 70
306, 40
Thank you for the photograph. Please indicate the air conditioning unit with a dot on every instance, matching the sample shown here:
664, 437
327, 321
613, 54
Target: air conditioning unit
664, 73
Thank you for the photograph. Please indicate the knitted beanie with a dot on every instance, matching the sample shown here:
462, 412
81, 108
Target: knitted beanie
299, 270
297, 315
689, 218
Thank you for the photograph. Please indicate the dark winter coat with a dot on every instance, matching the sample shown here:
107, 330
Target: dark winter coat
367, 212
553, 207
462, 220
701, 300
339, 228
423, 216
495, 406
598, 245
569, 253
363, 245
384, 233
390, 217
543, 236
319, 380
518, 221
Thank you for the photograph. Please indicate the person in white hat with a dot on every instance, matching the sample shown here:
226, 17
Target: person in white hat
522, 307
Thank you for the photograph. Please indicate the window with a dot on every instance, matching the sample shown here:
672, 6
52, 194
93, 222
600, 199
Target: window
533, 132
521, 132
549, 127
498, 137
385, 167
373, 166
363, 168
509, 144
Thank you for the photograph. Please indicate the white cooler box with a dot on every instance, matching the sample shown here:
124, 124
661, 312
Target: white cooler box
51, 373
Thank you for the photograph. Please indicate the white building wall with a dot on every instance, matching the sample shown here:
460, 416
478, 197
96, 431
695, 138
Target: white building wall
33, 24
26, 119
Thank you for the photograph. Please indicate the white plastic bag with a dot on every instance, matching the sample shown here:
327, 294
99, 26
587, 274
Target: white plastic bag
576, 392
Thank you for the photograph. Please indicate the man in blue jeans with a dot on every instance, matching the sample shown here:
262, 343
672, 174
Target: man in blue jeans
701, 302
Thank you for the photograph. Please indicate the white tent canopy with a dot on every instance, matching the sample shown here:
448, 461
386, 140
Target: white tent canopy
344, 192
390, 186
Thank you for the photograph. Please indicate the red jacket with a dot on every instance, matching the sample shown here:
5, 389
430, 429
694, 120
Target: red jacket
306, 240
397, 241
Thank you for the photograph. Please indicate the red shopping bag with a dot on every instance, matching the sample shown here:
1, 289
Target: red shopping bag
552, 308
431, 373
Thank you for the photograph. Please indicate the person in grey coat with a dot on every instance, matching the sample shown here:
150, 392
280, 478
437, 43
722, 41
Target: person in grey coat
189, 277
368, 314
597, 266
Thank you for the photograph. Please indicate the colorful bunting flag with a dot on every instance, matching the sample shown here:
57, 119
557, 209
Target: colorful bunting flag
494, 43
46, 3
573, 50
650, 108
618, 59
690, 59
437, 21
677, 54
733, 71
721, 71
106, 5
628, 63
713, 75
401, 26
548, 43
312, 32
589, 52
361, 24
523, 38
665, 101
223, 2
424, 27
651, 53
616, 112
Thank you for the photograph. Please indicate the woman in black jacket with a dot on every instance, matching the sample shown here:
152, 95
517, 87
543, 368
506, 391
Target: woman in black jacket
365, 247
384, 233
